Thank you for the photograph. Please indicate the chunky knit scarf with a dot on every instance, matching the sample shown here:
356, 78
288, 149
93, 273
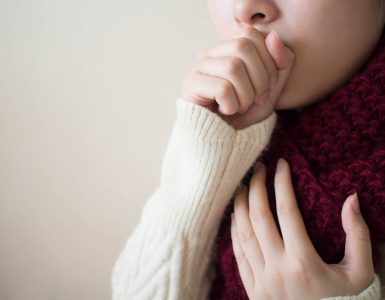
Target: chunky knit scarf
334, 147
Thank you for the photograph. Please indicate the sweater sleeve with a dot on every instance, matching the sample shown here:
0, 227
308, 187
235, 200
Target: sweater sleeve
372, 292
169, 253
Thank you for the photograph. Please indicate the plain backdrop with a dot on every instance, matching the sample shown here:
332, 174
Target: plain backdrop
87, 104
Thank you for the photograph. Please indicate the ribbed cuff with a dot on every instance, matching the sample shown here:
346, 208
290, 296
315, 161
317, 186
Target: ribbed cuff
198, 122
205, 160
372, 292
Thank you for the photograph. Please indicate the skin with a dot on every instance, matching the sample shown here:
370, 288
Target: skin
266, 260
323, 35
294, 41
274, 55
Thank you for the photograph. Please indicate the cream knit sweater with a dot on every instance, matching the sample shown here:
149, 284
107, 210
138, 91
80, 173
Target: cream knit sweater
169, 254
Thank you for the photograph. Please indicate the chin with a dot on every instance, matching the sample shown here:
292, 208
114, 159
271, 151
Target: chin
286, 101
295, 101
286, 107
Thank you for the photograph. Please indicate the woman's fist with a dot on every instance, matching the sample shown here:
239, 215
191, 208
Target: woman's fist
242, 78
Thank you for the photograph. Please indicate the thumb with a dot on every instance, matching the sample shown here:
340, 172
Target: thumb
281, 54
284, 60
358, 251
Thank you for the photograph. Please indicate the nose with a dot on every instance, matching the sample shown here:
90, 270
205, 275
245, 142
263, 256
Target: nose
253, 12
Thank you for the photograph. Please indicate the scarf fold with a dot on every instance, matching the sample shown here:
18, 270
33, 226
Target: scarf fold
335, 147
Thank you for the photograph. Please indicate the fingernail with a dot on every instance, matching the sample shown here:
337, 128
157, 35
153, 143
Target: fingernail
355, 203
263, 98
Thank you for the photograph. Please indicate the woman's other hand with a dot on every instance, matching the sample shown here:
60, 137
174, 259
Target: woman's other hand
290, 268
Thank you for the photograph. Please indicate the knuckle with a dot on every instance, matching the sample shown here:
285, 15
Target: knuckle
299, 270
260, 213
275, 275
254, 35
239, 254
226, 89
249, 31
252, 32
244, 45
234, 66
245, 236
284, 209
229, 110
244, 108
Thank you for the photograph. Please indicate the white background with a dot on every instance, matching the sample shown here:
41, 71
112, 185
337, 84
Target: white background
87, 103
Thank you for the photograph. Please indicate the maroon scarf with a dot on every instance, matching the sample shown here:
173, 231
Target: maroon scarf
334, 147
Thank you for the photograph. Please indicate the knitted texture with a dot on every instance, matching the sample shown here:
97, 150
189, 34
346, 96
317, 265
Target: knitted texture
169, 253
334, 147
371, 293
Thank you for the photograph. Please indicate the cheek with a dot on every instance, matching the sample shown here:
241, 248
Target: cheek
222, 18
309, 80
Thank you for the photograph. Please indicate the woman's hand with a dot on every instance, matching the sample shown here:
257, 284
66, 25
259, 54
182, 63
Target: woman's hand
272, 268
242, 78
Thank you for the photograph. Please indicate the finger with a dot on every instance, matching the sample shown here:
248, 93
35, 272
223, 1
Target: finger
233, 70
261, 218
245, 49
244, 268
284, 60
358, 251
278, 50
204, 90
259, 41
296, 239
247, 238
